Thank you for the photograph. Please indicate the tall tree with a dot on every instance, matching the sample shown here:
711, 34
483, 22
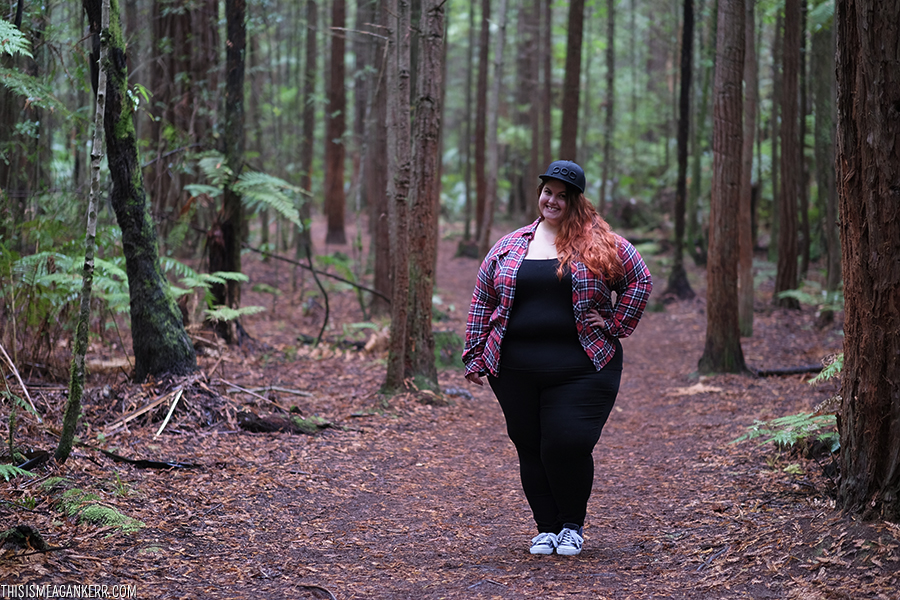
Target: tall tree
80, 345
804, 241
786, 274
722, 353
775, 122
745, 216
335, 124
399, 176
679, 286
493, 150
308, 118
224, 238
425, 195
546, 87
609, 103
376, 168
868, 168
159, 340
568, 140
481, 117
823, 93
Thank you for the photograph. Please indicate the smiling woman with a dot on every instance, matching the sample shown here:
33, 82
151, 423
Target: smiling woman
561, 361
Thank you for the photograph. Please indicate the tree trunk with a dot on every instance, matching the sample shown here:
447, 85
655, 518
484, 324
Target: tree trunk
786, 275
481, 117
545, 91
425, 199
568, 138
80, 346
803, 167
335, 124
159, 340
308, 117
722, 353
376, 168
467, 132
224, 239
696, 239
745, 216
823, 93
399, 169
679, 286
609, 126
868, 168
493, 151
777, 78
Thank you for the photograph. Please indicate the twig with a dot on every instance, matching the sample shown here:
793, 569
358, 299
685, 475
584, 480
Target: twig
140, 411
252, 393
171, 410
297, 263
324, 295
320, 588
709, 560
487, 581
21, 383
273, 388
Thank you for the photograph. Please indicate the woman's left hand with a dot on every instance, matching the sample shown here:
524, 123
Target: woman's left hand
594, 318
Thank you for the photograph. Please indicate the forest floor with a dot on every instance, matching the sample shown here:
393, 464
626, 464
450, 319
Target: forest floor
417, 496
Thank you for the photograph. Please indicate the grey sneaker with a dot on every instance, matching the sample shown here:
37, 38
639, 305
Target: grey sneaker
569, 540
543, 543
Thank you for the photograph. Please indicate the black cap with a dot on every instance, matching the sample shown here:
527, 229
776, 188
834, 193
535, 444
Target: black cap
567, 171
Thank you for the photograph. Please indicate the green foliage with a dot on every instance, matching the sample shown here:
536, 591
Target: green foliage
226, 313
448, 346
311, 424
812, 294
86, 508
789, 431
10, 471
257, 190
832, 369
12, 41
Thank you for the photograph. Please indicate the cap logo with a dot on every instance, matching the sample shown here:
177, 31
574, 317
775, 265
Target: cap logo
565, 172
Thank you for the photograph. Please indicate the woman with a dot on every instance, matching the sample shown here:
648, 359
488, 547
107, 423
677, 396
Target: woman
545, 330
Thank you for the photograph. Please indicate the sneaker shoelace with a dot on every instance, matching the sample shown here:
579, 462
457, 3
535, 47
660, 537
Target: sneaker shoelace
570, 537
544, 539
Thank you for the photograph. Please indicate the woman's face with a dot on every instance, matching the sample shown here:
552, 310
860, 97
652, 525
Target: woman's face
552, 201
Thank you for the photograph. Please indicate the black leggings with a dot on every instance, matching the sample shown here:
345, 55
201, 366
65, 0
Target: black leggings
554, 419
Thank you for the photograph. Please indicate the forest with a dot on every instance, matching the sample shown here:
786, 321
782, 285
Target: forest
238, 242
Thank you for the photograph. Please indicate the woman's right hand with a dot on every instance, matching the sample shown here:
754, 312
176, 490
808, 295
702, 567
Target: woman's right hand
475, 378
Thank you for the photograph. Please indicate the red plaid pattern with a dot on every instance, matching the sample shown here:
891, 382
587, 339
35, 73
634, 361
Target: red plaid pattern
496, 286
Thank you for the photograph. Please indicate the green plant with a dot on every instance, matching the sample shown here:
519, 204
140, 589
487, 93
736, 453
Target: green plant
10, 471
86, 508
812, 294
792, 430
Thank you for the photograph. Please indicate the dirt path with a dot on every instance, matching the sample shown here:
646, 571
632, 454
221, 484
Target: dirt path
422, 501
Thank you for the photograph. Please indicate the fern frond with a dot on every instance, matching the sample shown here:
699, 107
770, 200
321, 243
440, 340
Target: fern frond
176, 267
197, 189
33, 90
13, 41
226, 313
214, 168
831, 370
262, 189
10, 471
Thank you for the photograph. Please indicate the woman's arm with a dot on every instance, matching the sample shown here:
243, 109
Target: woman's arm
632, 290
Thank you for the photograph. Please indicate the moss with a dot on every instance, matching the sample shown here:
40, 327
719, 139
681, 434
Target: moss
85, 507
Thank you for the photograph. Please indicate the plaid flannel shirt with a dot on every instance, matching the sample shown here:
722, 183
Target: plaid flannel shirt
496, 287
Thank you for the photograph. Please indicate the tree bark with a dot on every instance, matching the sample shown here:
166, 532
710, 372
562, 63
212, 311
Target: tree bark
425, 200
376, 168
308, 117
568, 140
399, 169
679, 286
868, 169
80, 345
335, 124
786, 275
609, 126
722, 353
745, 217
493, 151
775, 119
545, 90
804, 240
481, 117
159, 340
823, 93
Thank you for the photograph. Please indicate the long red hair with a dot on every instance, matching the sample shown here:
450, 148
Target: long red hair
585, 236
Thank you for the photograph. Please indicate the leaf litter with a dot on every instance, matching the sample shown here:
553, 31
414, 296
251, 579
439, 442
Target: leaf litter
406, 497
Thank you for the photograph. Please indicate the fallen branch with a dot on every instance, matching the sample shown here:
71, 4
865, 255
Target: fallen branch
134, 415
709, 560
789, 370
15, 372
169, 414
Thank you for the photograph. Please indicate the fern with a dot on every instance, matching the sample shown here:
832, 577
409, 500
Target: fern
796, 429
832, 369
13, 41
226, 313
10, 471
262, 189
821, 299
